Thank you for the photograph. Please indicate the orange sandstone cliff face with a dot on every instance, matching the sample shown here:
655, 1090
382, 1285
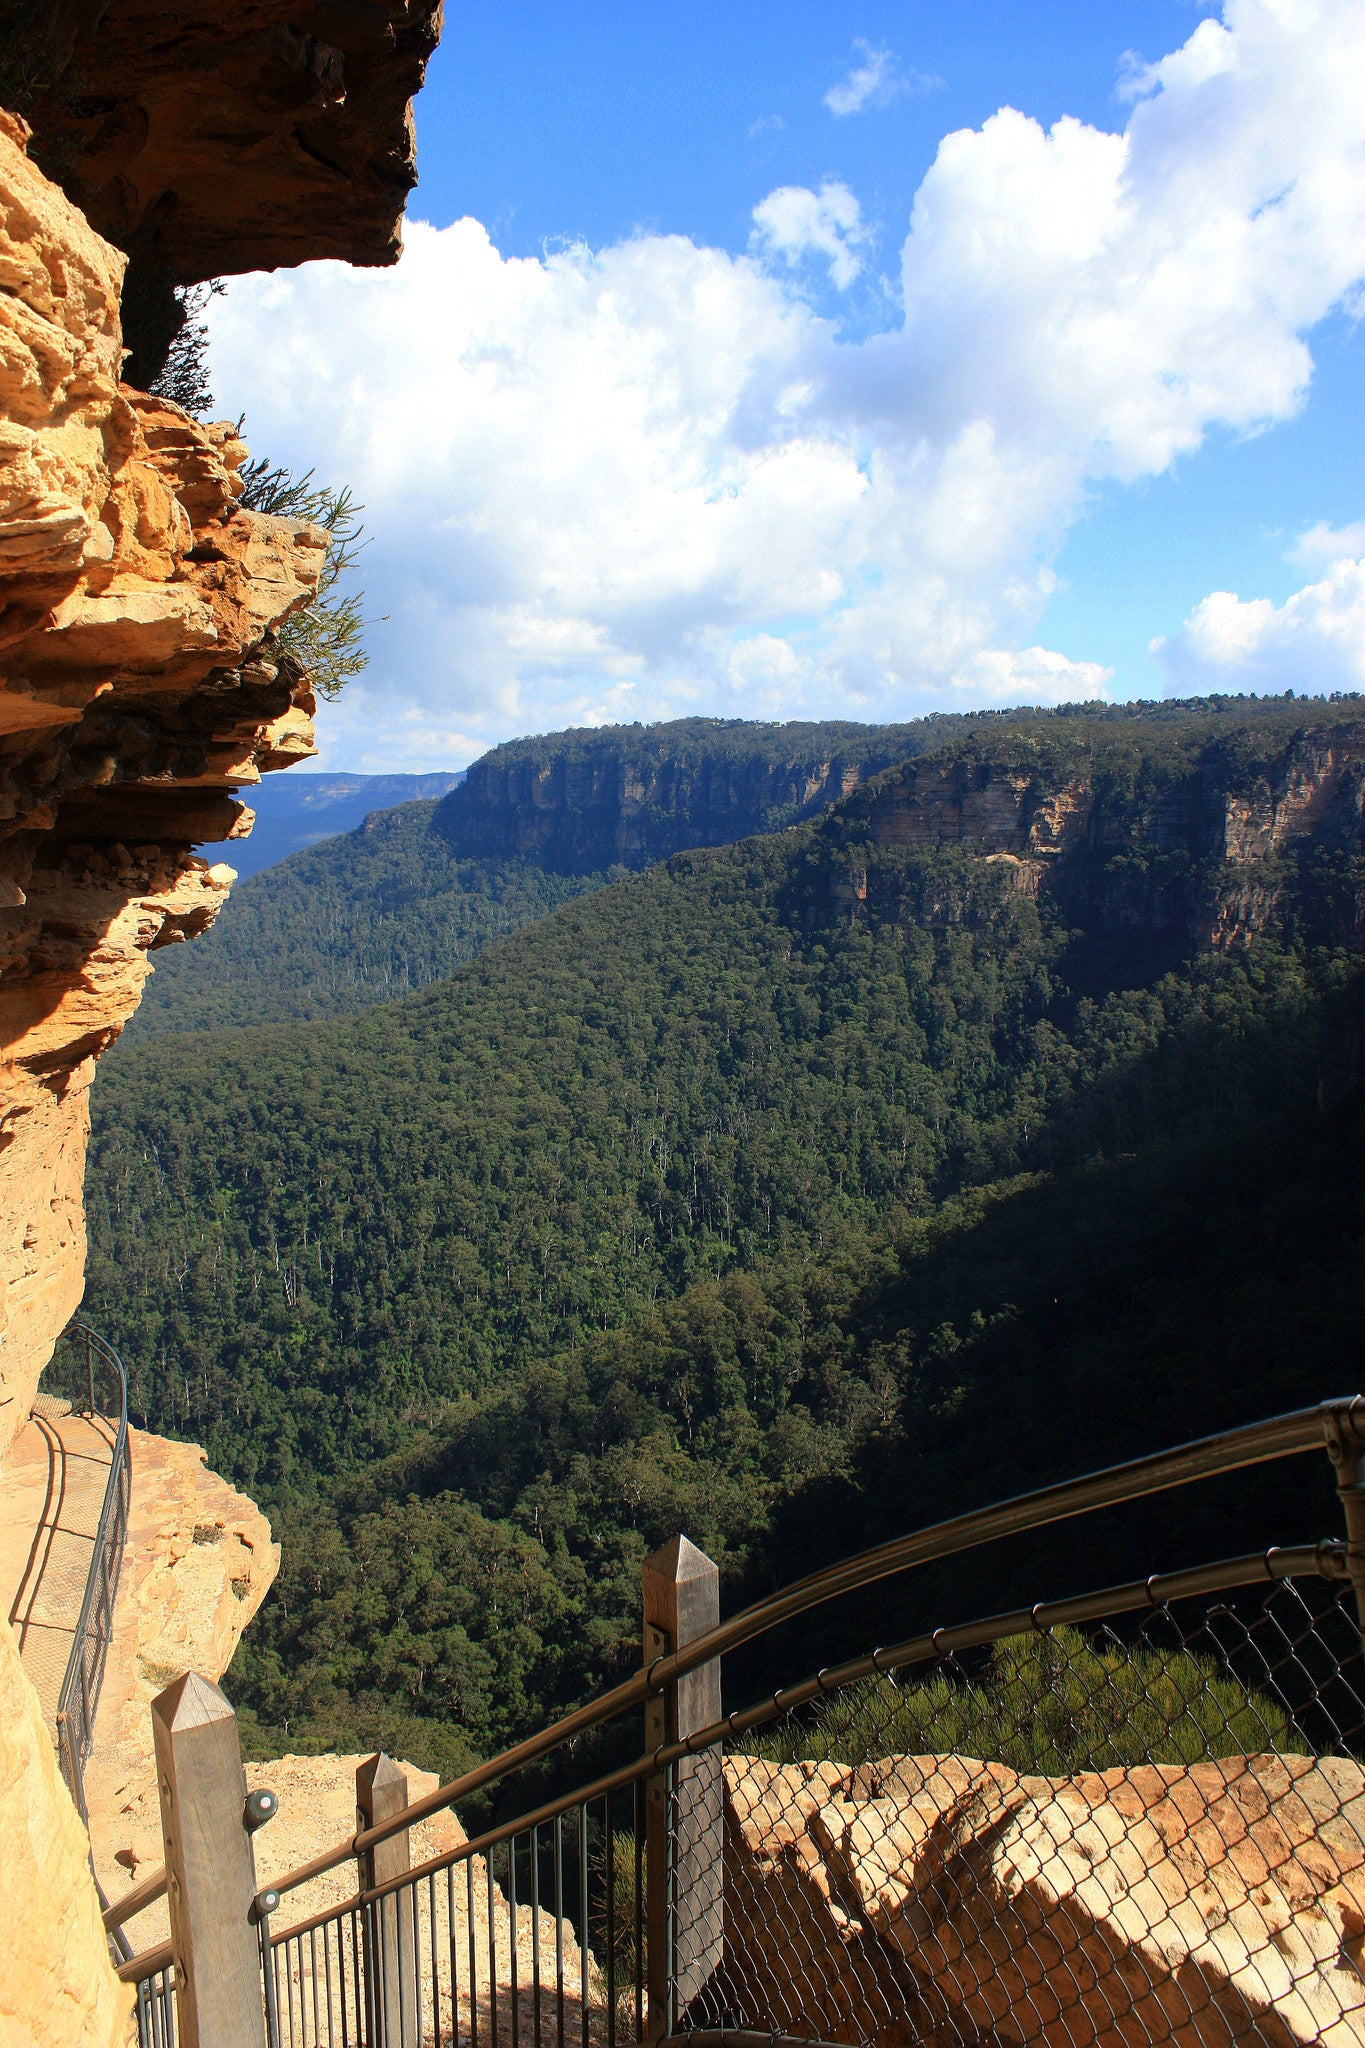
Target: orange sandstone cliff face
212, 139
140, 687
137, 690
1213, 851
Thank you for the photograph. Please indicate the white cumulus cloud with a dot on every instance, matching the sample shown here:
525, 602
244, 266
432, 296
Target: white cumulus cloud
794, 223
1314, 641
1031, 675
1322, 544
874, 82
635, 481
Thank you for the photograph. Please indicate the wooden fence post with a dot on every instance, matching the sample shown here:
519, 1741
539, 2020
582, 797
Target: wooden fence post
392, 1962
210, 1868
683, 1895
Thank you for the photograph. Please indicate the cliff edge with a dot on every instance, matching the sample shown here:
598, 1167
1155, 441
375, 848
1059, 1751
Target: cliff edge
136, 692
205, 139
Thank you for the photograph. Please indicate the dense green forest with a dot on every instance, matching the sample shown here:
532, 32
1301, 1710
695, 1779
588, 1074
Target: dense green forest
441, 1598
739, 1198
419, 889
356, 920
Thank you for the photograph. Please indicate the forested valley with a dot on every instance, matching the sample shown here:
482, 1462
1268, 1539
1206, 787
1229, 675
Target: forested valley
417, 890
790, 1192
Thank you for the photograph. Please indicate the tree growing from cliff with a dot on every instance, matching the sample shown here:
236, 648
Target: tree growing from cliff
326, 638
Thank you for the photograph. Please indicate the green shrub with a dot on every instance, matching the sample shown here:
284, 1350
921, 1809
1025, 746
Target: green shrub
1054, 1704
326, 638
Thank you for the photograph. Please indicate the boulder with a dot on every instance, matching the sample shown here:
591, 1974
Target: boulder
939, 1897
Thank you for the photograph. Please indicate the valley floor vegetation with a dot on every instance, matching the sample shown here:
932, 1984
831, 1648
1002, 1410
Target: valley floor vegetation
703, 1203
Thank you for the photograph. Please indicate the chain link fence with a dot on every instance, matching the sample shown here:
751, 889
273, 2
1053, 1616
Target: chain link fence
1140, 1834
1134, 1817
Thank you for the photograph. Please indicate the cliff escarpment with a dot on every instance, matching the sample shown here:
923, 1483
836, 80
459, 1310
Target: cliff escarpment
208, 140
579, 802
1207, 841
142, 684
137, 692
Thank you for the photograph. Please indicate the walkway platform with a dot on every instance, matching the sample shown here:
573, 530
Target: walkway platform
51, 1490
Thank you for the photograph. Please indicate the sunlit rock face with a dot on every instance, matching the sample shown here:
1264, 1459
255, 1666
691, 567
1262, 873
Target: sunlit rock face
137, 691
1214, 851
56, 1986
215, 139
942, 1898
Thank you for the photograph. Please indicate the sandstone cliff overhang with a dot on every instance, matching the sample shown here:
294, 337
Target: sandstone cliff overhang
217, 139
138, 690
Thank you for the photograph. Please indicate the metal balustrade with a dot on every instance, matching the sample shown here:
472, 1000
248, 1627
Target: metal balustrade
87, 1373
1133, 1816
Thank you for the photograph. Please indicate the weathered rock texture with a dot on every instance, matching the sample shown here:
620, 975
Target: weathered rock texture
941, 1899
217, 139
56, 1986
1212, 846
136, 691
198, 1562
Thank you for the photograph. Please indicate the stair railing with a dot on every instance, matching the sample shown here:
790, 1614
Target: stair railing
663, 1901
90, 1374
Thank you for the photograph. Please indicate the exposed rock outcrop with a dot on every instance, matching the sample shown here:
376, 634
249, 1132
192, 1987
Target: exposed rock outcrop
217, 140
56, 1986
1212, 848
629, 795
198, 1562
136, 692
139, 688
937, 1897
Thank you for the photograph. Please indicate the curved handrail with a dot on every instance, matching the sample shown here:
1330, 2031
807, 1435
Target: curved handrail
1325, 1560
1279, 1436
84, 1675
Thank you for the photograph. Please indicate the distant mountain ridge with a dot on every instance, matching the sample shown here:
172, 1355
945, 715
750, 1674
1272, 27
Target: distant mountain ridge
415, 891
375, 902
626, 796
295, 811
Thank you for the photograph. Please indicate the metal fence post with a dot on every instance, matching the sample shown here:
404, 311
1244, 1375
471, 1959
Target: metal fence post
210, 1868
1347, 1454
684, 1808
391, 1958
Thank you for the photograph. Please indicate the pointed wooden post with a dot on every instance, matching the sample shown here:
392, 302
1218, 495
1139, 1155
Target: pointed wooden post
391, 1958
684, 1837
210, 1868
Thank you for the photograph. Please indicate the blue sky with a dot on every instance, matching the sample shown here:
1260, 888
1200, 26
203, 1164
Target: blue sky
750, 392
593, 121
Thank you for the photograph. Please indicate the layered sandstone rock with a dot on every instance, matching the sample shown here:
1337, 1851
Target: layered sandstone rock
56, 1986
198, 1562
137, 691
1210, 852
221, 139
939, 1897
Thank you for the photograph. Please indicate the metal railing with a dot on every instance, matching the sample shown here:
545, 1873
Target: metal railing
1136, 1816
88, 1373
